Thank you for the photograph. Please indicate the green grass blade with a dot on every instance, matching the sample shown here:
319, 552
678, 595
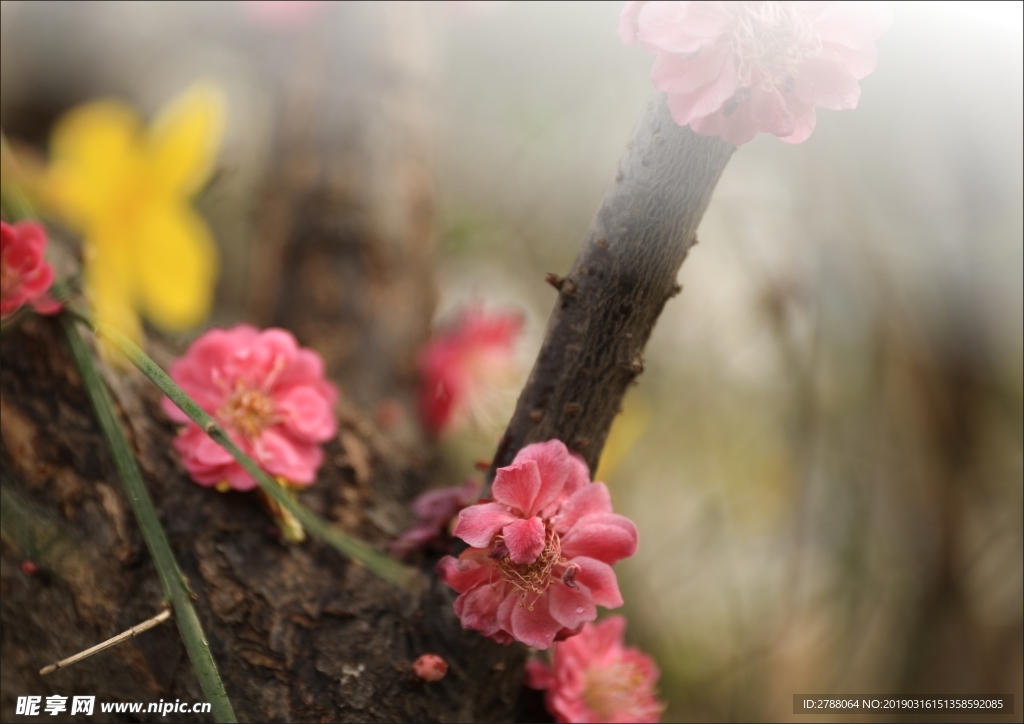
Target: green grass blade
171, 578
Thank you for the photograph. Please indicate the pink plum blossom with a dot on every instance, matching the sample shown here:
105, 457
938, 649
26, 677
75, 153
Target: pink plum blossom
733, 69
25, 275
284, 14
595, 678
542, 550
267, 392
465, 368
434, 510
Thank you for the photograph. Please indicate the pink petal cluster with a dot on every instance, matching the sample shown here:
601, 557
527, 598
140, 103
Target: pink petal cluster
542, 550
285, 14
733, 69
595, 678
267, 392
434, 510
25, 275
464, 366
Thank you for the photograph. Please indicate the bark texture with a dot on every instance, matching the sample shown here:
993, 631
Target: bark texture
619, 283
299, 633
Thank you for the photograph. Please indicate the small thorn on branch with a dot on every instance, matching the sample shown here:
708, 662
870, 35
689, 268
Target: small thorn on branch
635, 366
573, 409
676, 289
563, 284
109, 643
536, 415
554, 280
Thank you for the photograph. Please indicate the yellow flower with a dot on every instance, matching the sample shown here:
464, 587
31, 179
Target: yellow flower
128, 189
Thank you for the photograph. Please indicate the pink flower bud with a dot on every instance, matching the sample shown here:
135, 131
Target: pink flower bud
430, 668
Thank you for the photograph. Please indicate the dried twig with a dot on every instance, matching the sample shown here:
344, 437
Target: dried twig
111, 642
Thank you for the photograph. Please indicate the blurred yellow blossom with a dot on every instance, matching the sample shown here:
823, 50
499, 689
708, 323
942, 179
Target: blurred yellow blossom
127, 189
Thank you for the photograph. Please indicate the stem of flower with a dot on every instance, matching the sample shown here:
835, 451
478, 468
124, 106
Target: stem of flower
379, 563
622, 277
175, 586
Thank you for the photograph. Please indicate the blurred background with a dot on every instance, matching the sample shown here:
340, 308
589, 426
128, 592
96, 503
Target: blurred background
824, 455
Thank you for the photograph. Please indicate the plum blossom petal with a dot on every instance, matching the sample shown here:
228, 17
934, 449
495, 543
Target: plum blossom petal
579, 477
307, 414
628, 20
605, 536
524, 539
600, 580
462, 574
537, 627
769, 111
860, 62
705, 99
517, 485
554, 464
478, 610
479, 523
572, 606
590, 499
681, 27
853, 24
805, 122
824, 81
736, 69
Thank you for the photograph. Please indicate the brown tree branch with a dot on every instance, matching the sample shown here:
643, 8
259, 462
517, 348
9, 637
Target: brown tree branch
622, 277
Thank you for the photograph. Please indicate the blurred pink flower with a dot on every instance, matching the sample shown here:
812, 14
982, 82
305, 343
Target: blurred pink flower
434, 509
465, 368
594, 678
284, 14
25, 275
430, 668
541, 551
733, 69
268, 393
